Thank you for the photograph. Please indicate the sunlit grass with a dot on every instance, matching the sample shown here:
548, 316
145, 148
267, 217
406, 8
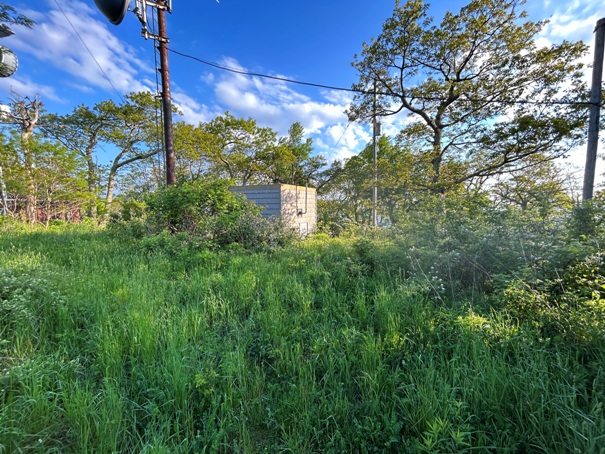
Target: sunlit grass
106, 347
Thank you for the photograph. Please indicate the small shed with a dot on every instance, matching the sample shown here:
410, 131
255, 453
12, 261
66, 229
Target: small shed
295, 204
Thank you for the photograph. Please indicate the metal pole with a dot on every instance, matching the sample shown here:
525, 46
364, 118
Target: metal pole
374, 165
595, 103
162, 5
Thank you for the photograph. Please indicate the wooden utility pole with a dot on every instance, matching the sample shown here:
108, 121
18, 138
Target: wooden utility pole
162, 6
115, 10
595, 107
374, 164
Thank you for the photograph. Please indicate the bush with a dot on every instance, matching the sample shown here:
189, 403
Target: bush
212, 215
250, 230
133, 228
184, 206
133, 209
568, 309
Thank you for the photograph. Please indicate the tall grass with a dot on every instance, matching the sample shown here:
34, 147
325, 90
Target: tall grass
107, 346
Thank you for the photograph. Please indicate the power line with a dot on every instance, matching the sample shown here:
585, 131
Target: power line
266, 76
370, 92
89, 51
342, 135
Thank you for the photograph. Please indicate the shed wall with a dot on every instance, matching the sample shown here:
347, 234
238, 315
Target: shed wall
295, 204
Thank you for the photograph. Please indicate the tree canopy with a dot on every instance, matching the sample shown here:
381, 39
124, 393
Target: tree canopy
9, 15
482, 96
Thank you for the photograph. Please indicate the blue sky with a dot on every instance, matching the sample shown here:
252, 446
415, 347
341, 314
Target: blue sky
312, 41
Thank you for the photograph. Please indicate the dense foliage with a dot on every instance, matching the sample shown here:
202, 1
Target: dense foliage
478, 89
373, 344
178, 319
204, 214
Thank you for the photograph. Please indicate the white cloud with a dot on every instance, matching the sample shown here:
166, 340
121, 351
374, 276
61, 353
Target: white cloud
25, 87
339, 97
572, 21
279, 104
193, 111
54, 41
343, 140
276, 103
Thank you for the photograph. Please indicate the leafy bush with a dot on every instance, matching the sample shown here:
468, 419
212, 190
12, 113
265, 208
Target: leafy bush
588, 219
212, 216
183, 207
132, 209
133, 228
171, 245
570, 308
250, 230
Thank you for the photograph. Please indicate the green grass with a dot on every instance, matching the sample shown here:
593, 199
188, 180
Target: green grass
108, 346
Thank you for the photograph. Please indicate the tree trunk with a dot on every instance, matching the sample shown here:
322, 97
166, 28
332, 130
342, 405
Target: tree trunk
111, 183
437, 157
3, 194
26, 113
48, 210
91, 180
30, 197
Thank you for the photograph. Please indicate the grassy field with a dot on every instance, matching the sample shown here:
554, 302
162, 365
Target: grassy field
112, 345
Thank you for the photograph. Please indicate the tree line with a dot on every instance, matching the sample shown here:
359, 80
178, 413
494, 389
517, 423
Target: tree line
60, 161
489, 112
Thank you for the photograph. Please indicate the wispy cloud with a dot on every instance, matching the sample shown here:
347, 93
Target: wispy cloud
276, 103
344, 140
65, 40
24, 86
572, 21
193, 112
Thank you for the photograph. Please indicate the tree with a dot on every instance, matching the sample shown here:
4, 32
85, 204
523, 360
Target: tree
7, 161
238, 148
81, 132
57, 174
345, 196
538, 188
349, 185
60, 180
9, 15
25, 113
482, 96
290, 162
190, 148
131, 129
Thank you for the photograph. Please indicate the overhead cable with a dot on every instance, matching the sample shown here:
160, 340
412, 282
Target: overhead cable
91, 54
368, 92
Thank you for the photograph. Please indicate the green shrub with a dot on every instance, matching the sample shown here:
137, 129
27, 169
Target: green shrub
133, 209
169, 244
212, 216
570, 308
133, 228
184, 206
588, 218
250, 230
